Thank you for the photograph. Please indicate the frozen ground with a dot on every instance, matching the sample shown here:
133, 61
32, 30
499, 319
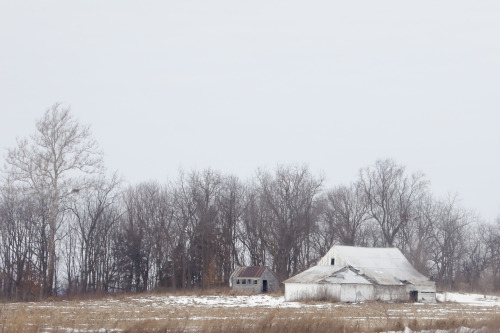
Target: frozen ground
471, 299
267, 301
195, 312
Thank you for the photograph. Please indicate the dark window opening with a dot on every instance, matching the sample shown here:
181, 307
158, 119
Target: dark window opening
243, 281
414, 295
254, 281
249, 281
332, 261
238, 281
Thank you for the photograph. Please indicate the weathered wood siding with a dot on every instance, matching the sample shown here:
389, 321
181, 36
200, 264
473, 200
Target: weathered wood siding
336, 292
255, 285
426, 294
356, 292
273, 284
247, 287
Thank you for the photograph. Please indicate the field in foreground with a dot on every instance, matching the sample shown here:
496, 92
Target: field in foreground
259, 313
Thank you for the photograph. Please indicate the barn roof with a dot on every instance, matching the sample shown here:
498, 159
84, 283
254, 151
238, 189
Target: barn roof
361, 265
386, 266
328, 275
249, 271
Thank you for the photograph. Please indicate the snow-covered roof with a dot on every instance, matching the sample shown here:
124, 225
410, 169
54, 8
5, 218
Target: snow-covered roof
328, 275
386, 266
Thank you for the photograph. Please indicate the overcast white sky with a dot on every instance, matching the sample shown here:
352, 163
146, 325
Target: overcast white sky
237, 85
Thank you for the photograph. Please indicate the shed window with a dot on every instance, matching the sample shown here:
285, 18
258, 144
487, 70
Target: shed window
238, 281
332, 261
243, 281
254, 281
249, 281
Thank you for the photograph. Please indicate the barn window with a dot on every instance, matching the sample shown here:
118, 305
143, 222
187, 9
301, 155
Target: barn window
254, 281
332, 261
249, 281
238, 281
243, 281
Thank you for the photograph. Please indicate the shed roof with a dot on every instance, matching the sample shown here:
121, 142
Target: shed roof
249, 271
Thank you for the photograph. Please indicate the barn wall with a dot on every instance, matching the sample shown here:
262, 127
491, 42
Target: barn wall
426, 293
311, 291
338, 292
332, 254
356, 292
391, 293
326, 260
273, 283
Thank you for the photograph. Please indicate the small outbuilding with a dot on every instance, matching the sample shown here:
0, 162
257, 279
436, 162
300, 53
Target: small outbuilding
254, 279
354, 274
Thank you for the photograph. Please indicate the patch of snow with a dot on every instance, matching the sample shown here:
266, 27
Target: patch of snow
456, 330
265, 301
472, 299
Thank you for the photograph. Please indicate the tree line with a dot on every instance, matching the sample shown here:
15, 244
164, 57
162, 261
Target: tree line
68, 227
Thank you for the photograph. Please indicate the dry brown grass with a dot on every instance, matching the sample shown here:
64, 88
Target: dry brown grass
155, 313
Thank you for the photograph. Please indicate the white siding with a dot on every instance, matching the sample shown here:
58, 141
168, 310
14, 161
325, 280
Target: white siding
426, 294
337, 292
311, 291
356, 292
391, 293
326, 260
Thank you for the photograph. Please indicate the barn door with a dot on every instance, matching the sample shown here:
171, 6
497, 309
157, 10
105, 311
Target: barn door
264, 286
414, 296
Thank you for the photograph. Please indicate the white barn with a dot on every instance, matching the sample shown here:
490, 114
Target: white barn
354, 274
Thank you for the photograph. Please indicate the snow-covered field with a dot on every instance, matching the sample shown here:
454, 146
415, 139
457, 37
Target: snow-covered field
267, 301
196, 313
470, 299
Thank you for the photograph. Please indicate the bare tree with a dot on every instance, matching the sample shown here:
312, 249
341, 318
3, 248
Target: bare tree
19, 273
252, 228
230, 208
51, 163
195, 208
391, 196
288, 198
417, 234
94, 215
206, 189
448, 242
491, 238
345, 213
136, 238
477, 257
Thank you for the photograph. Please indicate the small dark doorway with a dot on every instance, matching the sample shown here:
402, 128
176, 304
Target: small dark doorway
264, 286
332, 261
414, 296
